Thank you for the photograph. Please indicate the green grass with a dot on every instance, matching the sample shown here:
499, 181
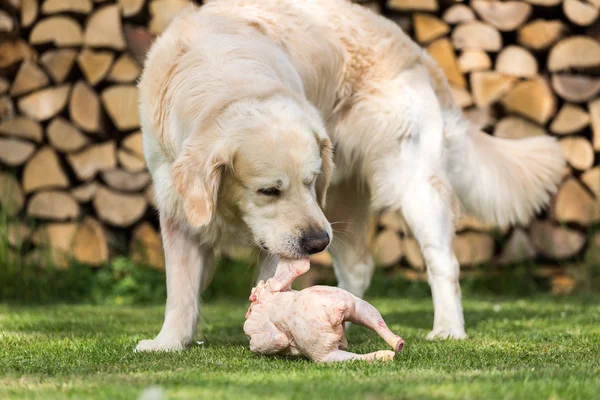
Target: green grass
534, 348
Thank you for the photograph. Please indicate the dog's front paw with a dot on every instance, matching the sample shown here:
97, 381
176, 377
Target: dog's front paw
446, 332
159, 345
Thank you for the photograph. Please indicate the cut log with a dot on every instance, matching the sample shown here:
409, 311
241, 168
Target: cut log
474, 60
22, 127
468, 222
146, 247
30, 77
533, 99
46, 103
162, 12
540, 34
481, 117
473, 248
43, 171
61, 31
4, 85
95, 64
576, 88
420, 5
7, 108
544, 3
574, 52
506, 16
516, 61
11, 195
126, 181
578, 152
580, 13
55, 240
594, 108
488, 87
517, 249
29, 12
121, 104
90, 245
66, 6
388, 249
413, 255
17, 234
139, 40
573, 203
14, 152
124, 70
131, 162
84, 108
118, 209
428, 27
458, 13
104, 29
64, 137
85, 193
476, 35
517, 128
53, 205
7, 25
442, 52
133, 143
392, 221
151, 196
58, 63
461, 96
570, 119
555, 241
130, 8
591, 178
12, 52
94, 159
562, 284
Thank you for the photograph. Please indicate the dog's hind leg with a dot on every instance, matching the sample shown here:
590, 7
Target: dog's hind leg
407, 171
427, 210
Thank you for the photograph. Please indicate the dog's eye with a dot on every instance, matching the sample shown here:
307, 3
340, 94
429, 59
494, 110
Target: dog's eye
272, 191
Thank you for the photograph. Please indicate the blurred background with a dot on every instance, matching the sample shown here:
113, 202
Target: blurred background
77, 217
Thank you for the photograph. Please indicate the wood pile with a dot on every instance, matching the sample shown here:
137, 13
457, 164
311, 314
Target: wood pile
73, 181
70, 147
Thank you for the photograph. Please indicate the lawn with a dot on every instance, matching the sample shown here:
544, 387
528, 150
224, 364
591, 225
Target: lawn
540, 347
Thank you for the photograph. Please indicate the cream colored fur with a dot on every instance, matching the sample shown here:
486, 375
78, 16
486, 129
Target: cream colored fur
243, 95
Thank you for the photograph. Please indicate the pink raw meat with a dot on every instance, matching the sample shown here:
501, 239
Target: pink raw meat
310, 322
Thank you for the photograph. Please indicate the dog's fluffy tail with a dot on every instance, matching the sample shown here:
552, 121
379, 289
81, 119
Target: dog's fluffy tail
503, 181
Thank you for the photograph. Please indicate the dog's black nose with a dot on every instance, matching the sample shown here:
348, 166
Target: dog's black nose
314, 241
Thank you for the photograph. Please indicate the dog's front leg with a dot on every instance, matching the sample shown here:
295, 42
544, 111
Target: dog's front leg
185, 261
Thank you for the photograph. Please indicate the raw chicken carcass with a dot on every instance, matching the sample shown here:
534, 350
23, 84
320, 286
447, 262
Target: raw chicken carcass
310, 322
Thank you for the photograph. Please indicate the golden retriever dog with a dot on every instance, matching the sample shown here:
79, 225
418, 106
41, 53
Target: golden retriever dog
247, 105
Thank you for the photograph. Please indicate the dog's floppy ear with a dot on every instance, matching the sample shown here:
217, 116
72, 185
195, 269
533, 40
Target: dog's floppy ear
197, 175
327, 166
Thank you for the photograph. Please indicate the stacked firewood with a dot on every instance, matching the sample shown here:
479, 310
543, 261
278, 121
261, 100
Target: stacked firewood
70, 145
518, 69
73, 178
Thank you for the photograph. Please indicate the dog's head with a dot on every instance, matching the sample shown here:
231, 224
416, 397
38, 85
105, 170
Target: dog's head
267, 164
